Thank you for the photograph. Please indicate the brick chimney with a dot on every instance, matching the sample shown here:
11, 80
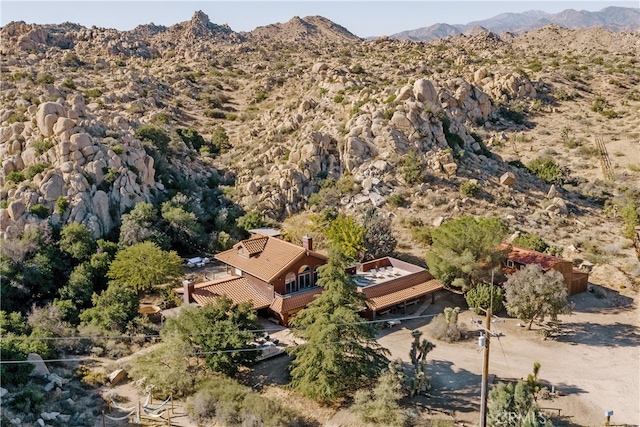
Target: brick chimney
188, 291
307, 242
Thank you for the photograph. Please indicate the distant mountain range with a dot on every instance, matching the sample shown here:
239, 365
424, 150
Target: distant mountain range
611, 18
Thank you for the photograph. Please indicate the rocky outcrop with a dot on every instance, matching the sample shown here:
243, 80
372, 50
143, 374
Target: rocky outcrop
58, 142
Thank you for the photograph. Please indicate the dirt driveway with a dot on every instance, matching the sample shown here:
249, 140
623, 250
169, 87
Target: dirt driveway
593, 362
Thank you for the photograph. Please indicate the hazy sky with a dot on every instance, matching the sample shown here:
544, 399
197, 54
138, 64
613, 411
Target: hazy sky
362, 18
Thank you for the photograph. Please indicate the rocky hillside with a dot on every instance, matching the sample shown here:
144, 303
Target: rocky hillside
305, 102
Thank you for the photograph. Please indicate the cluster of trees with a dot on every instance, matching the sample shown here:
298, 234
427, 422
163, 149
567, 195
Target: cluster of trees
466, 254
362, 238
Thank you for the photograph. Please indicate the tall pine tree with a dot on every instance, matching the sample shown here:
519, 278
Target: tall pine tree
339, 352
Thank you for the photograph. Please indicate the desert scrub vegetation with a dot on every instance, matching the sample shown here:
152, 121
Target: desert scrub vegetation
483, 296
222, 400
445, 326
531, 241
411, 168
549, 170
471, 188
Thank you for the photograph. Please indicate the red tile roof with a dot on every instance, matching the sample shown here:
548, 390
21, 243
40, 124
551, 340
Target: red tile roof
287, 303
239, 289
264, 257
527, 256
405, 294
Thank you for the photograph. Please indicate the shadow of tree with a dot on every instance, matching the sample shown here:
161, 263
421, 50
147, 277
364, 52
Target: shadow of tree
453, 389
612, 335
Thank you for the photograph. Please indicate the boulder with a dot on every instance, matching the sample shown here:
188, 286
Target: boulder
16, 209
52, 188
424, 91
552, 192
49, 416
80, 141
39, 368
319, 67
450, 168
101, 209
117, 376
3, 392
508, 179
47, 115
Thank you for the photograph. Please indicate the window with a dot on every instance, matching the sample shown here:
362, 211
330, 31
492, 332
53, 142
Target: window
510, 263
315, 276
304, 277
290, 284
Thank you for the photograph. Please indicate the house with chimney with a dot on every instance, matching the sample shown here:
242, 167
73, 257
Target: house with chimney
576, 281
280, 278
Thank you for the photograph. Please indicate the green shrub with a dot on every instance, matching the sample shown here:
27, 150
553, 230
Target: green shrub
396, 200
224, 401
444, 327
338, 99
42, 146
29, 399
471, 188
412, 168
631, 219
16, 117
422, 234
117, 149
93, 93
531, 241
69, 84
43, 79
61, 204
483, 296
153, 136
33, 170
191, 137
260, 96
548, 170
15, 176
39, 210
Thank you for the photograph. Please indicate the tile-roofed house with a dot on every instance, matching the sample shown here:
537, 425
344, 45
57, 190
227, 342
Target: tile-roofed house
575, 280
280, 279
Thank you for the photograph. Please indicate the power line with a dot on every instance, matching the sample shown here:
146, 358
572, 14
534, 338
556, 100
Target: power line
200, 353
141, 336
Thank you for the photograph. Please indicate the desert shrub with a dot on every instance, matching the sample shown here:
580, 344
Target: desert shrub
16, 117
380, 404
69, 84
411, 168
226, 402
33, 170
154, 136
117, 149
445, 325
42, 146
93, 93
15, 176
91, 378
471, 188
631, 219
191, 137
483, 296
29, 399
43, 79
548, 170
422, 234
396, 200
39, 210
531, 241
219, 140
454, 140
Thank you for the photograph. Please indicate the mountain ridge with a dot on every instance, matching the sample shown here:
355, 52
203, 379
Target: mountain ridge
612, 18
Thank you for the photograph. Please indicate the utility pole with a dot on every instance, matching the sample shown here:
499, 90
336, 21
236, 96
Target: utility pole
485, 372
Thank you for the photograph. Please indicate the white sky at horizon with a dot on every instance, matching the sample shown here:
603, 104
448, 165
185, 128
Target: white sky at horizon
362, 18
